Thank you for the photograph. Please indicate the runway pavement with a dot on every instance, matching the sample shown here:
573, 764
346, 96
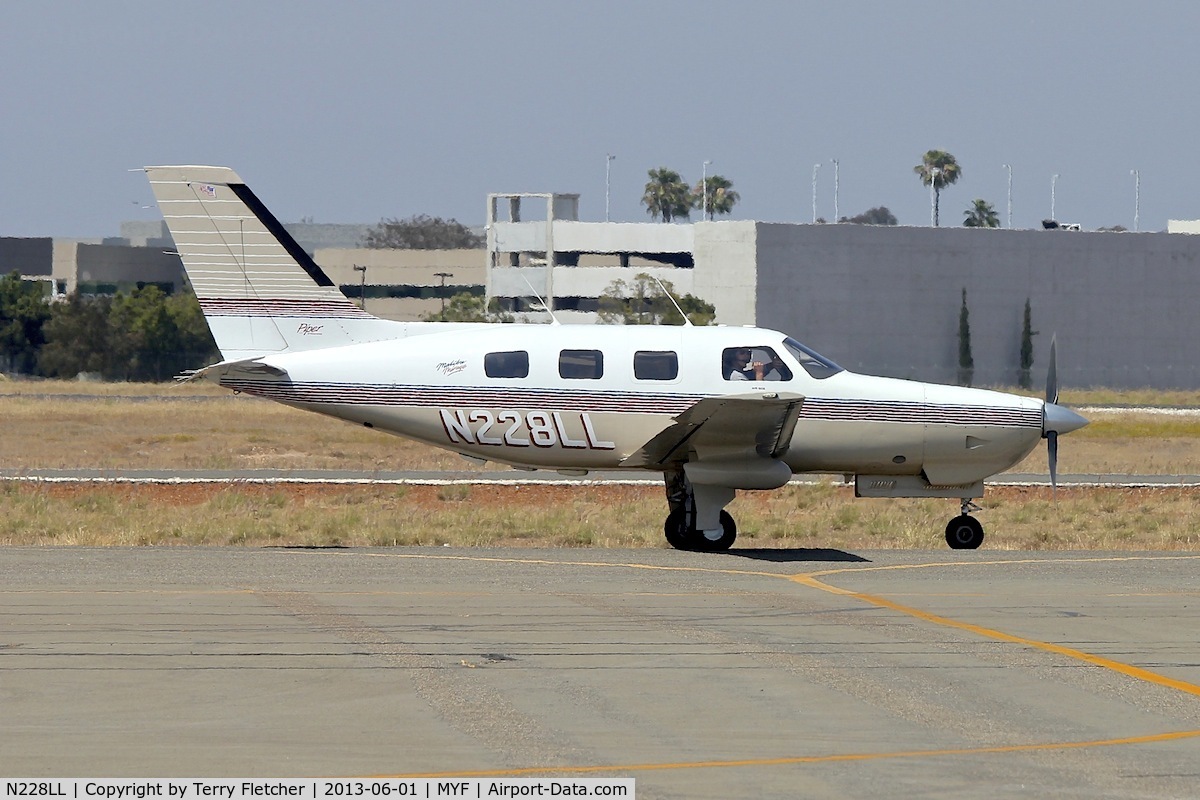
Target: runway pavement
755, 673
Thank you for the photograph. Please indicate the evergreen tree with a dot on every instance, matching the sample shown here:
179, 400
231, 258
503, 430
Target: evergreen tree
966, 363
422, 232
467, 307
1027, 334
23, 313
642, 302
880, 215
77, 338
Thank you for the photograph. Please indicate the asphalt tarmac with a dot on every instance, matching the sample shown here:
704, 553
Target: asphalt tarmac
754, 673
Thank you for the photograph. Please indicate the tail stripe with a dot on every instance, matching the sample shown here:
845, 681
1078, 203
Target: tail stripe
277, 230
232, 307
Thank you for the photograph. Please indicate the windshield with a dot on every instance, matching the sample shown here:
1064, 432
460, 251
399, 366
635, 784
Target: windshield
816, 365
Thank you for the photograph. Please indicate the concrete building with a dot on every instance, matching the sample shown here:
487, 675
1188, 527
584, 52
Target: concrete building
403, 284
1183, 226
396, 284
311, 236
549, 253
69, 265
886, 300
31, 257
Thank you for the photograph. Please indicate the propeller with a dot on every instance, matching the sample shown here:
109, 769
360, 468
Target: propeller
1055, 418
1052, 400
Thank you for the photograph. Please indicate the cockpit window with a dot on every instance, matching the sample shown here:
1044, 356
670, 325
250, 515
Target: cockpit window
816, 365
753, 364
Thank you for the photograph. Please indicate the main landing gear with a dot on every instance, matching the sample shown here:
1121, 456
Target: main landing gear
964, 532
698, 519
682, 533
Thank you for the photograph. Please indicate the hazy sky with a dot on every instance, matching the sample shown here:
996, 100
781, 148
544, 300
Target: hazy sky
354, 111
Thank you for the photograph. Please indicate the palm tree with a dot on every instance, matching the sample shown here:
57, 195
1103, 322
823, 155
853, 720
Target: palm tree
938, 169
666, 195
721, 196
981, 215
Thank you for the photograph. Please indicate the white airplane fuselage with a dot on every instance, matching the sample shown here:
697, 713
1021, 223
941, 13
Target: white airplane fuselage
433, 388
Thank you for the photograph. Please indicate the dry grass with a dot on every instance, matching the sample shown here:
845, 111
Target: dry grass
203, 427
217, 432
823, 516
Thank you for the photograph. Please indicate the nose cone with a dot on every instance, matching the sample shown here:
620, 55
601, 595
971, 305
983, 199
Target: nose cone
1057, 419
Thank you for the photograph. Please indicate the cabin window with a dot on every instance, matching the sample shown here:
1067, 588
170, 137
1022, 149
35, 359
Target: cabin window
753, 364
655, 365
587, 364
509, 364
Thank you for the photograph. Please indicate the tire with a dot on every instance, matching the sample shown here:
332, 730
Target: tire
676, 533
964, 532
682, 538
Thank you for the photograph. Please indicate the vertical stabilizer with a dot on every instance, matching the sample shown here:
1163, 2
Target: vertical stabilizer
260, 292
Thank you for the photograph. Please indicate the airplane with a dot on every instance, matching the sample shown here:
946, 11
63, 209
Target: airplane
715, 409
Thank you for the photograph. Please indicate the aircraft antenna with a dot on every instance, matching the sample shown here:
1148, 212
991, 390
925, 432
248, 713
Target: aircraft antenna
687, 322
545, 305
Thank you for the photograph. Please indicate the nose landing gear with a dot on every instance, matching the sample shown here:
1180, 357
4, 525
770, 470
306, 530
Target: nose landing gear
964, 532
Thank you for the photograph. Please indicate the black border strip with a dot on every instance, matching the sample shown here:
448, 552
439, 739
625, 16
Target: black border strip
276, 229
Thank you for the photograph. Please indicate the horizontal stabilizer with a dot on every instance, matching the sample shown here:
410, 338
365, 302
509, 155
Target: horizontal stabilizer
246, 368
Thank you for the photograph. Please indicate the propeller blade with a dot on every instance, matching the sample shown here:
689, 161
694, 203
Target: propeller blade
1052, 373
1052, 450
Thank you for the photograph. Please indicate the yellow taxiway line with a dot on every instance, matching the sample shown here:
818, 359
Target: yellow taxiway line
813, 580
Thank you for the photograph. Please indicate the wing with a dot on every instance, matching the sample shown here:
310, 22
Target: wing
744, 428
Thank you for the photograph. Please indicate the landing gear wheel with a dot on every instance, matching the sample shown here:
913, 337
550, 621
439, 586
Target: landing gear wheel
964, 532
676, 531
681, 537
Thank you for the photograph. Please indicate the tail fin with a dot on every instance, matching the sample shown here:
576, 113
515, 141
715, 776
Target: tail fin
260, 292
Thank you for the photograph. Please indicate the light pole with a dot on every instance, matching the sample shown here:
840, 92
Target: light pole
933, 174
362, 286
815, 168
1137, 197
1009, 168
442, 289
704, 188
835, 189
1053, 186
607, 182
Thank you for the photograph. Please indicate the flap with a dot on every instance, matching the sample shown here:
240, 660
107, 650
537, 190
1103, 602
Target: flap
734, 427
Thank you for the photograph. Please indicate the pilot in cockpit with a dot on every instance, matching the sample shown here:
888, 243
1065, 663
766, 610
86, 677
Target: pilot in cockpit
740, 367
